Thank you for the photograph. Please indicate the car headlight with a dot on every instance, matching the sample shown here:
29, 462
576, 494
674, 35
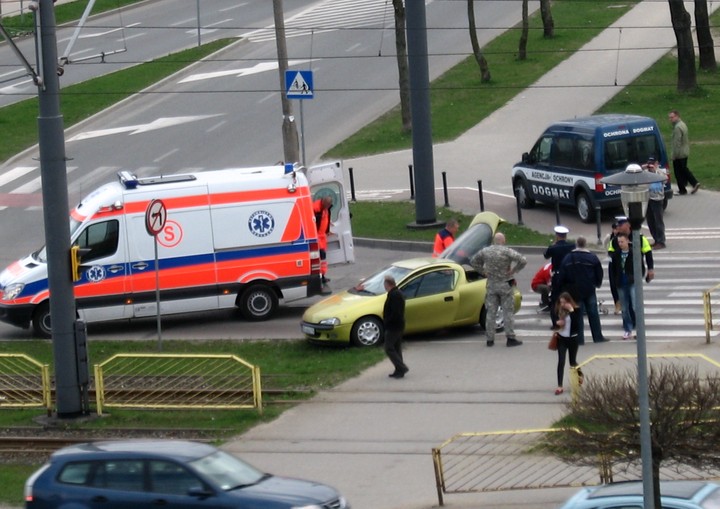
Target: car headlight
330, 321
12, 291
342, 504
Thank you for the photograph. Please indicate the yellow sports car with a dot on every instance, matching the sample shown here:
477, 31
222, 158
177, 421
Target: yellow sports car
439, 293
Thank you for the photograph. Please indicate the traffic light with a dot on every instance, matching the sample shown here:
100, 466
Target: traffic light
75, 255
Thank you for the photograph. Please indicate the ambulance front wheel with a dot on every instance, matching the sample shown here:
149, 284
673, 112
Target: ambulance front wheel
258, 302
41, 320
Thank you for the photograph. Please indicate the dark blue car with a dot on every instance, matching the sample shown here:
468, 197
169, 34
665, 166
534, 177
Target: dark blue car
144, 474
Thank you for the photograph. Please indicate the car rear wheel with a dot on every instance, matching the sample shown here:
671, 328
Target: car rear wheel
258, 302
585, 210
367, 331
41, 320
499, 319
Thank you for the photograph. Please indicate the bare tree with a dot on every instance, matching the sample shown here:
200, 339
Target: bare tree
547, 19
402, 63
684, 412
479, 57
681, 22
522, 49
706, 49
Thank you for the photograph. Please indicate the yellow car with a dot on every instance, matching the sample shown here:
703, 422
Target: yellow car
439, 293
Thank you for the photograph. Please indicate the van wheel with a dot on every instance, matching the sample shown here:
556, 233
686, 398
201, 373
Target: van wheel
585, 210
522, 192
41, 321
367, 331
258, 302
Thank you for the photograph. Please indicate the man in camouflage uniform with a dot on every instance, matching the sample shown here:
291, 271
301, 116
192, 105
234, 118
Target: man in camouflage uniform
499, 263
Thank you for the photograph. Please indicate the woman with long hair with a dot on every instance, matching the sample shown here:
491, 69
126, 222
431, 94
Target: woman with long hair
568, 313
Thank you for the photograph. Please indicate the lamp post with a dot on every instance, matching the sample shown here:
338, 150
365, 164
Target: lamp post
635, 194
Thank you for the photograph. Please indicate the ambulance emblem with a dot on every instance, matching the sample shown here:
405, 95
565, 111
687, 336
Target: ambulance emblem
261, 223
95, 274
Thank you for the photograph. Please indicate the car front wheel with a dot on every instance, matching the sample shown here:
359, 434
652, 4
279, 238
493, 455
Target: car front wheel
367, 331
41, 320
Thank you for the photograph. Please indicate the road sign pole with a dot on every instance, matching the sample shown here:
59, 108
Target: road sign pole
302, 133
157, 294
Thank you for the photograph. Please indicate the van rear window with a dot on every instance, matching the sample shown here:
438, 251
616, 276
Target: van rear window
621, 152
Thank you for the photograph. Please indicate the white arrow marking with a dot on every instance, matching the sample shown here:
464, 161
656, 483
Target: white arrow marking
256, 69
160, 123
100, 34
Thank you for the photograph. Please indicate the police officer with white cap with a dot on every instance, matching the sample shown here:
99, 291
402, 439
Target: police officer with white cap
556, 252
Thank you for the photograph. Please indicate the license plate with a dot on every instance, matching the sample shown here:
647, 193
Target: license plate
308, 330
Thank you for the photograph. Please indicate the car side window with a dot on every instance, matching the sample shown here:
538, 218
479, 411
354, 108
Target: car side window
432, 283
543, 149
75, 473
171, 478
125, 475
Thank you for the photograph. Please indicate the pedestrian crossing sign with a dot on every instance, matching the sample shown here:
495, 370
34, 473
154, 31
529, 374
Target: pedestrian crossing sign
299, 84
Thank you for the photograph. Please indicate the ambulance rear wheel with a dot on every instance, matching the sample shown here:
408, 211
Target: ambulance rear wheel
258, 302
41, 320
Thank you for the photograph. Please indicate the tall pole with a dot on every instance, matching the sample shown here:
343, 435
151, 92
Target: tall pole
291, 146
420, 106
643, 391
53, 172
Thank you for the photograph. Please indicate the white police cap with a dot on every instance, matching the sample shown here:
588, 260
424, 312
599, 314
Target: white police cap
561, 230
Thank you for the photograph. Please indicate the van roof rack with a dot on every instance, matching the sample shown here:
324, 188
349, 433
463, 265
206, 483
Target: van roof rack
130, 181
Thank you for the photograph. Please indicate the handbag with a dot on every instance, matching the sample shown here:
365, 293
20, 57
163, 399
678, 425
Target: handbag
553, 343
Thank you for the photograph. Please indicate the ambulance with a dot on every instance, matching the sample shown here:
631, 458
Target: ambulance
243, 237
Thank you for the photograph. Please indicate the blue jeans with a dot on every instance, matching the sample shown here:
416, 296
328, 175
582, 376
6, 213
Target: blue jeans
590, 306
627, 298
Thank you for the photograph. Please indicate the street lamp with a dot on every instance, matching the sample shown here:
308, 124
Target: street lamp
635, 193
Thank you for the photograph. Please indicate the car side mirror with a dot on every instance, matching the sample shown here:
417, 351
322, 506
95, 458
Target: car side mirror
525, 157
200, 492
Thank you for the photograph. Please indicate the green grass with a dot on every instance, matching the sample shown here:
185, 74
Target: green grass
458, 99
18, 122
64, 13
389, 220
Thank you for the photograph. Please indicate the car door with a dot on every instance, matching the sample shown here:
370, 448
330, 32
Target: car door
431, 300
171, 485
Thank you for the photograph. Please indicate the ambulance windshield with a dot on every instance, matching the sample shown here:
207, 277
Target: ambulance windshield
41, 254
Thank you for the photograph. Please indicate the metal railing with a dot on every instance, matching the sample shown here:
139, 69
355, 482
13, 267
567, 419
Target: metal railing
24, 382
707, 310
177, 381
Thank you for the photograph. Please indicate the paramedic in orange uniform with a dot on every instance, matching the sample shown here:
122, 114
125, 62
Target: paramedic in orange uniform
321, 208
445, 237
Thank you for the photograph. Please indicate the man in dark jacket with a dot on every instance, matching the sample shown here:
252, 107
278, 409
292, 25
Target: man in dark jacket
556, 253
581, 272
394, 323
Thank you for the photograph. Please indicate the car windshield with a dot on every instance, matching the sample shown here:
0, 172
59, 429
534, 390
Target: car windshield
469, 243
41, 254
227, 471
375, 284
712, 501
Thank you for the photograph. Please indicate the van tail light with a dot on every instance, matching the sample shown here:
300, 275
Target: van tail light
314, 258
599, 186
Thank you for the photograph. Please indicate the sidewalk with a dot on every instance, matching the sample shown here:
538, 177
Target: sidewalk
371, 437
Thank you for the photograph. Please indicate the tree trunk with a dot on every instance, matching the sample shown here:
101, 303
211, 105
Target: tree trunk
479, 57
706, 49
402, 63
681, 22
522, 50
547, 19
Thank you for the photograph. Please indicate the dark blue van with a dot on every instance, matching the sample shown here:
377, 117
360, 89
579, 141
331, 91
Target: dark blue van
571, 157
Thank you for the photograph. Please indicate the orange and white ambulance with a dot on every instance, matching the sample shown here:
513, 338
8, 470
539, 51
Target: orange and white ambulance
242, 237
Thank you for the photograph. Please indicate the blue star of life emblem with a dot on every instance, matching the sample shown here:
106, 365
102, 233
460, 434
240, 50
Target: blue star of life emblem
261, 223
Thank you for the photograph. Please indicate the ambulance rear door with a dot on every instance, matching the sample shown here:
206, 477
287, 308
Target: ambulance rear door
327, 179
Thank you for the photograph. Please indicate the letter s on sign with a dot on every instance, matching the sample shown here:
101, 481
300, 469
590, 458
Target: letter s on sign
171, 234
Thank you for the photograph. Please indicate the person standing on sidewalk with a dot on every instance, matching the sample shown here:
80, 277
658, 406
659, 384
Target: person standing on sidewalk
680, 149
445, 237
556, 253
580, 274
394, 323
499, 263
569, 318
655, 220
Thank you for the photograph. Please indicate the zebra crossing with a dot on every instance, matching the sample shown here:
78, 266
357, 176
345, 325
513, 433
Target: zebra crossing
674, 308
330, 15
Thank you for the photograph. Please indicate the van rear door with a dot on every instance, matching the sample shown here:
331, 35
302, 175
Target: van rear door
327, 179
